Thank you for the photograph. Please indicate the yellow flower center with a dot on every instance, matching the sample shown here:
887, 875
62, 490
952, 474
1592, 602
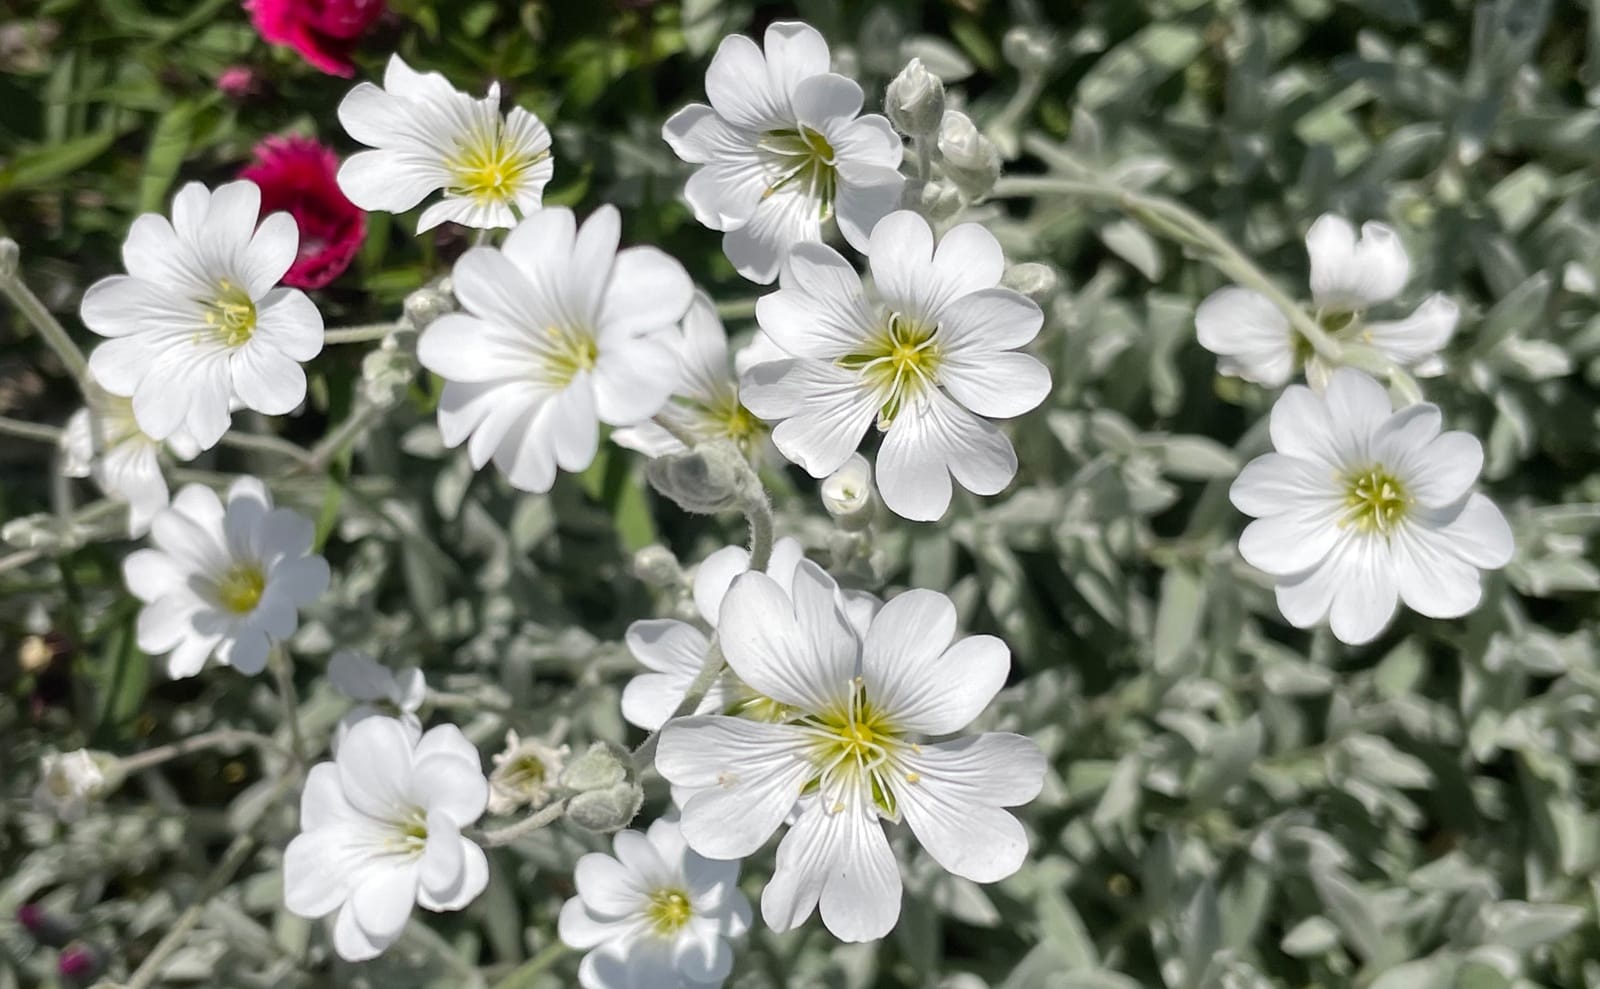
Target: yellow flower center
752, 705
525, 772
802, 159
1375, 500
485, 168
231, 315
240, 589
410, 835
668, 911
856, 746
566, 352
900, 361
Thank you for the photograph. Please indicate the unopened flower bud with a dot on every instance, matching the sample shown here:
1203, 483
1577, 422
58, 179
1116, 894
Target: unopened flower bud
935, 200
524, 774
69, 782
43, 926
971, 160
10, 257
1028, 48
79, 963
237, 82
34, 654
847, 494
607, 796
711, 478
427, 304
914, 100
1037, 281
386, 373
656, 566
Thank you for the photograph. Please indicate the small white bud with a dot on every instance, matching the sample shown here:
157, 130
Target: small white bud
607, 796
934, 200
1029, 49
656, 566
386, 373
914, 101
427, 304
524, 774
847, 494
713, 477
1037, 281
971, 160
69, 782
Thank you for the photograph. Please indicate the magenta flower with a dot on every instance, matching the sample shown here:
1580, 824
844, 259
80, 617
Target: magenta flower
324, 32
299, 176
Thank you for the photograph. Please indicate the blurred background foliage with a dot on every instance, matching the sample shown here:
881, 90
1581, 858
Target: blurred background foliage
1233, 803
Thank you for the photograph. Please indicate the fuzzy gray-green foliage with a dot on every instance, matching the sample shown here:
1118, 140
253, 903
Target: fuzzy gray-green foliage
1232, 803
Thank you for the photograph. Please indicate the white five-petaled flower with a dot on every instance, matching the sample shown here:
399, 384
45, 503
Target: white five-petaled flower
223, 581
103, 441
674, 652
561, 331
853, 754
197, 322
380, 831
706, 405
1362, 505
781, 150
1253, 340
656, 915
69, 782
926, 357
377, 689
428, 135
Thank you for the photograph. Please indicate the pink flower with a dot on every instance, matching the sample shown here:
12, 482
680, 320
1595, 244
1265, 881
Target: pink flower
237, 82
298, 175
324, 32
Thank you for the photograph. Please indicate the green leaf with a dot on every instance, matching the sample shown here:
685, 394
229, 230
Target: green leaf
36, 167
163, 157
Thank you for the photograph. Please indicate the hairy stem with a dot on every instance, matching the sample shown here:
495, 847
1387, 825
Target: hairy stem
224, 738
543, 817
359, 334
645, 754
150, 969
54, 334
29, 430
283, 671
522, 976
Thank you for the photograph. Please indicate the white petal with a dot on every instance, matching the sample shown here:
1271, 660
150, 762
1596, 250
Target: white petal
745, 777
1419, 336
1001, 386
825, 410
1444, 470
634, 378
713, 578
354, 944
1431, 576
389, 181
1250, 333
272, 250
383, 899
267, 381
375, 768
469, 350
1351, 274
1366, 597
1291, 542
449, 785
358, 676
648, 290
826, 101
704, 354
316, 872
953, 807
842, 860
930, 440
922, 681
288, 320
866, 194
1479, 534
1301, 428
986, 321
1275, 483
698, 135
794, 51
820, 311
802, 652
739, 88
578, 928
781, 220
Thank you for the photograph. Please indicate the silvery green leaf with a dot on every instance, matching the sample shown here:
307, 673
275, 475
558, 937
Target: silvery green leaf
1178, 615
1532, 360
1195, 457
1425, 973
1134, 245
1517, 924
1311, 937
940, 57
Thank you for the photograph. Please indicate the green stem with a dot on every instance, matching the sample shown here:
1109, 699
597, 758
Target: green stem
758, 511
220, 739
29, 430
150, 969
283, 671
358, 334
737, 309
547, 815
265, 443
346, 433
34, 311
522, 976
645, 754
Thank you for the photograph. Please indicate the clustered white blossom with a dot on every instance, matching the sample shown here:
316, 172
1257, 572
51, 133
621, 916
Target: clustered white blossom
838, 715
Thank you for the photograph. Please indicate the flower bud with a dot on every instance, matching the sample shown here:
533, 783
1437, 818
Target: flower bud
1029, 49
43, 926
847, 494
70, 782
971, 160
524, 774
934, 200
607, 796
711, 478
79, 963
237, 82
427, 304
914, 101
657, 567
10, 257
1037, 281
386, 373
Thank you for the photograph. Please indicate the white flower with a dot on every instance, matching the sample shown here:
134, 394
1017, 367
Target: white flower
430, 135
525, 773
656, 915
933, 346
706, 404
854, 755
196, 322
1252, 337
782, 150
223, 581
1362, 505
380, 830
103, 441
561, 332
379, 689
847, 492
70, 781
914, 101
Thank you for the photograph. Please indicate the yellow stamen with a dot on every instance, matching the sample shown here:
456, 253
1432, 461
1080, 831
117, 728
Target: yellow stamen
668, 910
240, 589
231, 315
1375, 500
900, 361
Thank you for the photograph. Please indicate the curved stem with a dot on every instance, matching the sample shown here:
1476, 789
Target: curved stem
758, 512
546, 815
522, 976
220, 739
359, 334
265, 443
150, 969
29, 430
54, 334
680, 434
645, 754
